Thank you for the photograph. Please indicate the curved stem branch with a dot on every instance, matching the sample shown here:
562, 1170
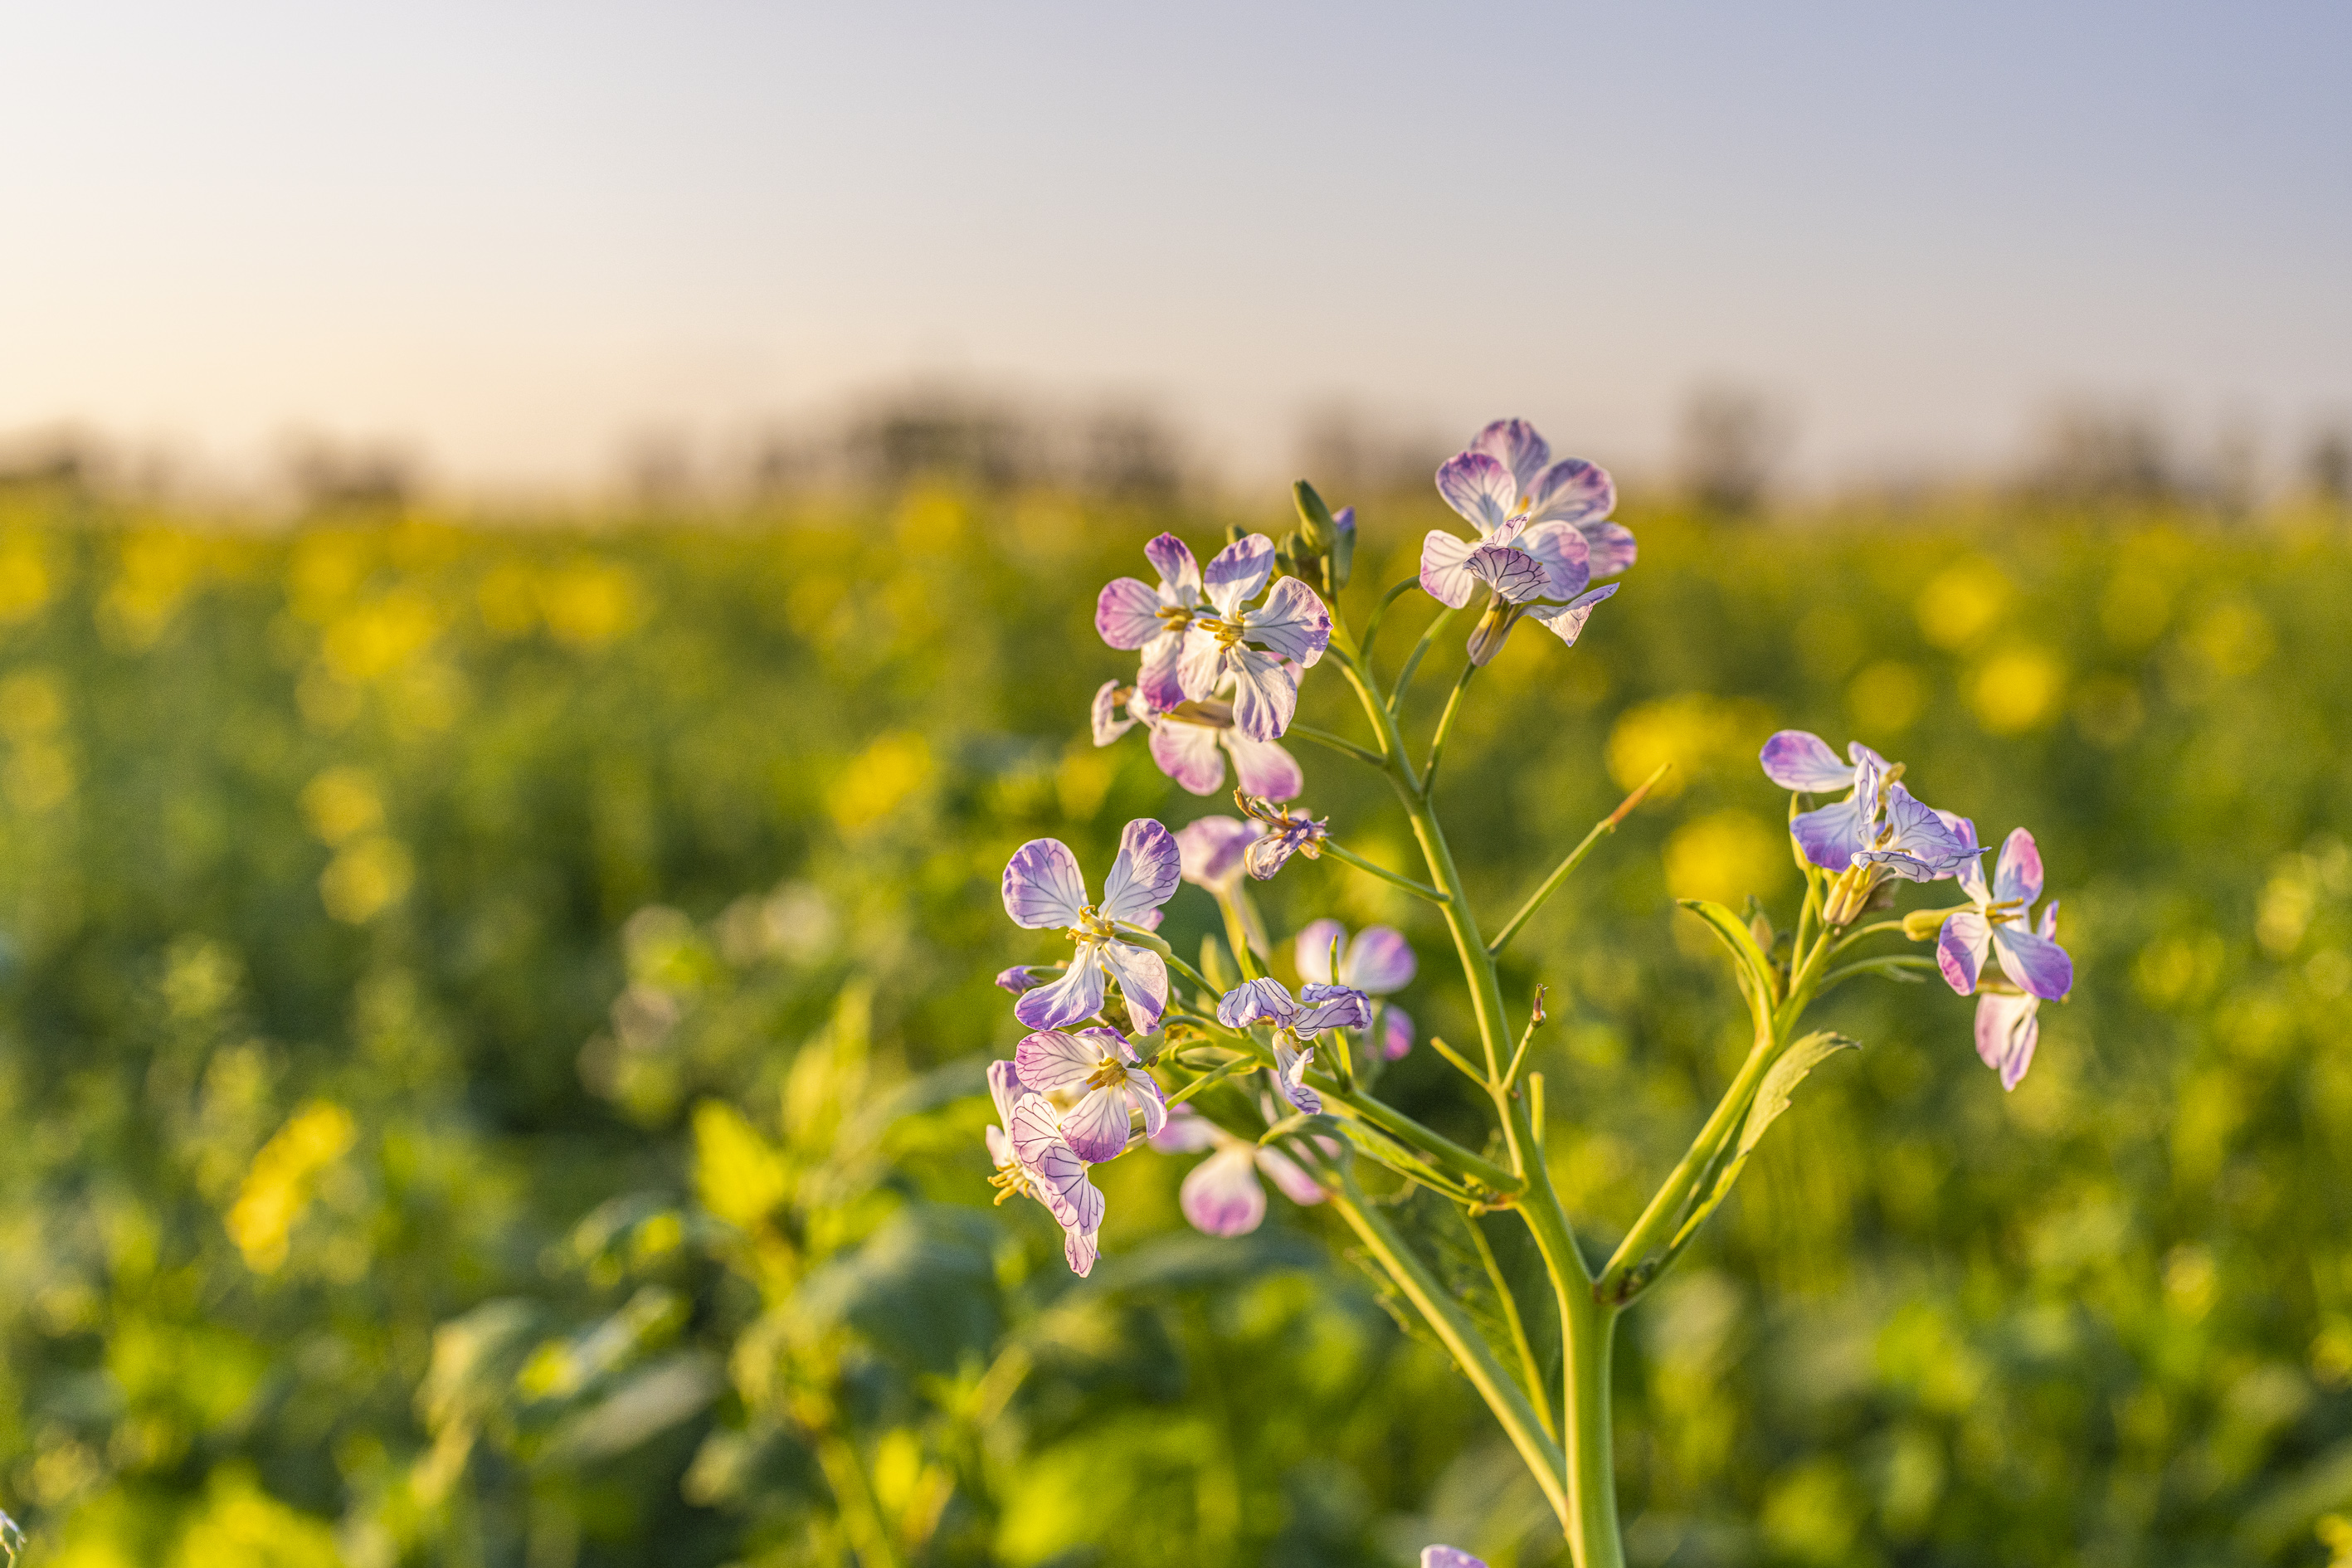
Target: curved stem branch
1421, 889
1444, 727
1338, 744
1413, 661
1380, 611
1575, 858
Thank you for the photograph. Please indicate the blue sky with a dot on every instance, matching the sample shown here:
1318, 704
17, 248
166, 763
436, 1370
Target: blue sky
517, 237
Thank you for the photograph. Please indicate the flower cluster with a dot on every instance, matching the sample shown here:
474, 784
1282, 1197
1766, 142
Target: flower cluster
1881, 830
1200, 635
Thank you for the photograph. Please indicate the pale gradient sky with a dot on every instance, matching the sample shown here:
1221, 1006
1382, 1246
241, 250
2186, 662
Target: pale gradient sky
515, 237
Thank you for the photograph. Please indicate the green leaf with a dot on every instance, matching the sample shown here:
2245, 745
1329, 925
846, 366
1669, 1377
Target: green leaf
1781, 1080
1754, 967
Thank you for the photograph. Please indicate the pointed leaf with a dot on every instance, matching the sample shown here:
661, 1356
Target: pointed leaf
1754, 967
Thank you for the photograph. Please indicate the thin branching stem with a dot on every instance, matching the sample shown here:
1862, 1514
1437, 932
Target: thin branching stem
1413, 661
1381, 612
1338, 744
1445, 728
1419, 890
1559, 873
1531, 1368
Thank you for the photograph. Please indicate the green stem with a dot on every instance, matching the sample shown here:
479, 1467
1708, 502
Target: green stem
1575, 858
1421, 889
1338, 744
861, 1519
1412, 1134
1379, 612
1444, 727
1413, 661
1528, 1365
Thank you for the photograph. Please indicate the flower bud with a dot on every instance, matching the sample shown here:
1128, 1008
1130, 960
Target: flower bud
1921, 925
1342, 556
1494, 629
1315, 521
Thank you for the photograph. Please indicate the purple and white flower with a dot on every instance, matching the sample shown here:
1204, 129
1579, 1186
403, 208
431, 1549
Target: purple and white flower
2009, 1024
2001, 923
1131, 615
1281, 833
1093, 1076
1043, 888
1377, 963
1222, 1195
1033, 1158
1190, 741
1260, 649
1880, 825
1209, 851
1542, 536
1449, 1557
1296, 1022
1024, 977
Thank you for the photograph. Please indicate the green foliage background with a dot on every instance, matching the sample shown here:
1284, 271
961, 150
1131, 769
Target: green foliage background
491, 1027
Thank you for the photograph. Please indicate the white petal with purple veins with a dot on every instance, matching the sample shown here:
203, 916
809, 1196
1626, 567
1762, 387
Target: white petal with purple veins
1074, 997
2038, 964
1237, 574
1565, 556
1038, 1144
1145, 1097
1200, 665
1111, 718
1042, 885
1445, 574
1053, 1060
1322, 1007
1095, 1128
1801, 759
1611, 544
1265, 693
1380, 961
1263, 768
1515, 444
1567, 621
1291, 621
1145, 875
1158, 681
1830, 836
1004, 1086
2008, 1027
1126, 613
1179, 572
1189, 755
1211, 848
1312, 948
1514, 575
1572, 490
1220, 1196
1480, 488
1290, 1072
1142, 977
1960, 948
1255, 1001
2019, 873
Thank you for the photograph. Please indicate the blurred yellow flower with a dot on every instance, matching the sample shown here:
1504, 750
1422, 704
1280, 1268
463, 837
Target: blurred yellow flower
1960, 602
589, 604
367, 877
373, 639
24, 580
2234, 638
158, 567
340, 804
878, 779
1886, 698
2017, 690
1694, 730
242, 1523
1726, 855
283, 1176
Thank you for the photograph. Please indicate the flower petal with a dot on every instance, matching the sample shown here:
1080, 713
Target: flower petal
1265, 693
1380, 961
2008, 1027
1970, 872
1322, 1007
1801, 759
2038, 965
1445, 577
1960, 950
1567, 621
1074, 997
1611, 544
1189, 755
1566, 557
1145, 875
1053, 1060
1291, 621
1290, 1072
1449, 1557
1832, 836
1514, 575
1126, 613
1312, 948
1919, 834
1004, 1086
1142, 977
1255, 1002
1395, 1030
1263, 768
1110, 716
1572, 490
1037, 1142
1515, 444
2049, 923
1209, 850
1160, 680
1481, 488
1200, 665
1095, 1128
1145, 1095
1081, 1242
1220, 1196
1291, 1177
1238, 573
2019, 873
1186, 1132
1172, 559
1042, 885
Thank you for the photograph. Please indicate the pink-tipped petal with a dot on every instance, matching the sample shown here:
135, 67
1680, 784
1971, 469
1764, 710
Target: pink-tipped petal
1159, 681
1004, 1086
1172, 559
1292, 1177
1479, 488
1043, 888
1238, 573
1186, 1132
1292, 622
1378, 961
1263, 768
1189, 755
1265, 693
1312, 949
1095, 1128
1074, 998
1449, 1557
2038, 964
1145, 875
2008, 1028
1801, 759
2019, 873
1445, 575
1572, 490
1142, 977
1960, 948
1126, 613
1220, 1196
1395, 1032
1209, 850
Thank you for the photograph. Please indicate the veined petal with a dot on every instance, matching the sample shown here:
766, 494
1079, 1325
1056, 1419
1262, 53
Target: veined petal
1312, 948
1481, 488
1095, 1128
1572, 490
1515, 444
1380, 961
1449, 1557
1565, 555
1395, 1030
1291, 621
1158, 681
1053, 1060
1970, 872
1082, 1241
1189, 754
1611, 544
2008, 1027
1264, 1001
1263, 768
1322, 1007
1144, 1095
1919, 833
1142, 977
1444, 577
1801, 759
1265, 693
1179, 573
1220, 1196
1567, 621
1004, 1086
1290, 1072
1110, 717
1145, 875
2049, 923
1075, 996
1960, 950
1200, 665
2038, 964
1186, 1132
2019, 873
1126, 613
1042, 885
1237, 574
1209, 850
1830, 836
1514, 575
1291, 1177
1037, 1142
